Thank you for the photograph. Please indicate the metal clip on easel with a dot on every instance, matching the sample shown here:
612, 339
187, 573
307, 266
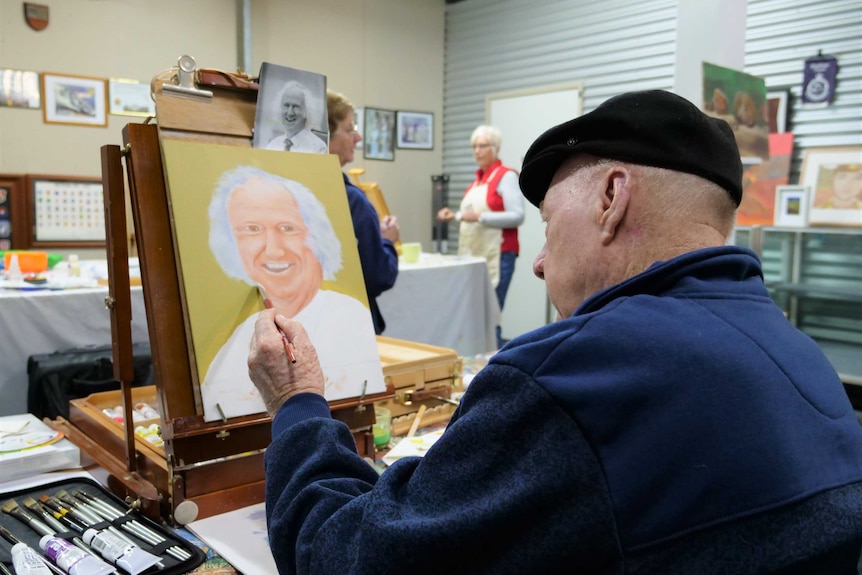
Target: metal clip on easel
186, 86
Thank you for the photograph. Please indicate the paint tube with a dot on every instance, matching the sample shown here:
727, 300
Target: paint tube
146, 410
116, 550
71, 559
27, 561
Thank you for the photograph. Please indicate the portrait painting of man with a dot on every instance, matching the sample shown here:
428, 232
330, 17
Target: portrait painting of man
740, 100
249, 221
834, 175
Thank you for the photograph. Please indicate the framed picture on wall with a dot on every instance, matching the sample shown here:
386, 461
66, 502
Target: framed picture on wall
65, 211
131, 98
12, 220
416, 130
791, 206
78, 100
19, 89
379, 134
834, 175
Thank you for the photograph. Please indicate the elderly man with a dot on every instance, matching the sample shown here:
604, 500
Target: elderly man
274, 234
297, 136
671, 421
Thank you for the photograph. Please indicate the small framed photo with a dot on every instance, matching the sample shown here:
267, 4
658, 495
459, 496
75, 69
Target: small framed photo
416, 130
379, 134
791, 206
834, 175
776, 110
19, 89
65, 211
78, 100
130, 98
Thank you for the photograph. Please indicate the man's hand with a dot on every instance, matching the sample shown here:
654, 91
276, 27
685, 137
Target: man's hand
270, 369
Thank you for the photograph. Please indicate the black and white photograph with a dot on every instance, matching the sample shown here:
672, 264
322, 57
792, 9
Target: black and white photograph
379, 135
291, 111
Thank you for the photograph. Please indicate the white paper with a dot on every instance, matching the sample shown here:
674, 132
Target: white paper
412, 446
240, 537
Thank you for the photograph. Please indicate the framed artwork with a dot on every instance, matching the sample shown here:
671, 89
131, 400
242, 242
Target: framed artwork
834, 175
776, 111
78, 100
760, 180
379, 134
791, 206
65, 211
416, 130
19, 89
738, 98
359, 124
12, 209
130, 98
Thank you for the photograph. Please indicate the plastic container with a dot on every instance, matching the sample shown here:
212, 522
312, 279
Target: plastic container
28, 261
74, 266
410, 252
382, 428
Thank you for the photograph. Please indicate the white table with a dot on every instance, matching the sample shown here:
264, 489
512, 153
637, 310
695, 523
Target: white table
33, 322
443, 300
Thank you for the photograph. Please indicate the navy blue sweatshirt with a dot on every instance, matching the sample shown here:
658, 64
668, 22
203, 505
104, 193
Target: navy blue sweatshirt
377, 255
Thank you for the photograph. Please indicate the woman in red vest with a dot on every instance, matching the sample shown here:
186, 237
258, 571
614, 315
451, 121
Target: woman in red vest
490, 213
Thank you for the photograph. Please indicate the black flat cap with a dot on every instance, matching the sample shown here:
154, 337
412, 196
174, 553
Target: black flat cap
651, 128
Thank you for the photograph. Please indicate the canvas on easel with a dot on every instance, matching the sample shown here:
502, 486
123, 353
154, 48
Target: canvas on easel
245, 218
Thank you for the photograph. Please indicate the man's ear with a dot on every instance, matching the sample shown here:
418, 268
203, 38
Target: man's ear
614, 202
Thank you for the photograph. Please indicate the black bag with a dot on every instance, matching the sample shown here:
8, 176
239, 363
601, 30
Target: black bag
55, 378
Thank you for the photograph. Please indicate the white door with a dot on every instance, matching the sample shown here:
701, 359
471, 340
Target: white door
521, 117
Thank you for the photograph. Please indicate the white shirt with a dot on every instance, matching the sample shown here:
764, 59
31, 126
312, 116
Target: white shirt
303, 141
342, 332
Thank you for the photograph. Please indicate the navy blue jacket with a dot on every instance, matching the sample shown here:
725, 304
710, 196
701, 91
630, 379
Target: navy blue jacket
377, 255
676, 423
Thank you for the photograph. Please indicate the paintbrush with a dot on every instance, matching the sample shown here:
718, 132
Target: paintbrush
11, 507
62, 516
39, 526
39, 511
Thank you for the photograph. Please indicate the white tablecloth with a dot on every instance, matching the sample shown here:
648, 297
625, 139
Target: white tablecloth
33, 322
443, 300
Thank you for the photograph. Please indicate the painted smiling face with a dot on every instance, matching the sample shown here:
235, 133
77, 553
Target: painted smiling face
271, 238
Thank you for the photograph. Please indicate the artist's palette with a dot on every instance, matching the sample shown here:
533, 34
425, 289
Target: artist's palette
28, 440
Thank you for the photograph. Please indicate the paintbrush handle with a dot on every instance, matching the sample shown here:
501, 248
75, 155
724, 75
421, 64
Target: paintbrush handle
416, 421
